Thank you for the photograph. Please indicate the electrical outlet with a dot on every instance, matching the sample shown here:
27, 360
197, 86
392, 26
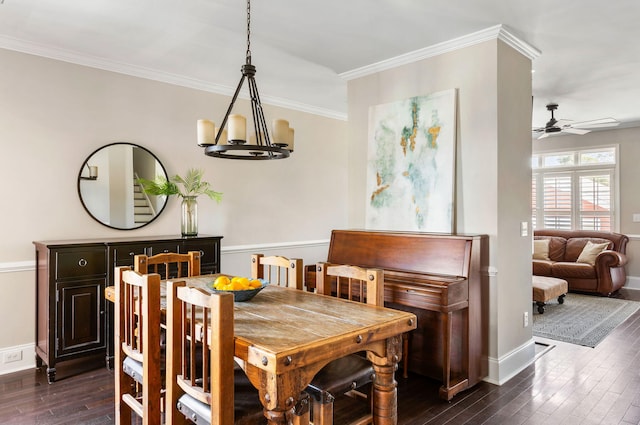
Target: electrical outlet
524, 228
525, 319
13, 356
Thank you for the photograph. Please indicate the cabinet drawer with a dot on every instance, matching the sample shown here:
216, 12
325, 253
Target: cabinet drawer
81, 262
123, 254
159, 248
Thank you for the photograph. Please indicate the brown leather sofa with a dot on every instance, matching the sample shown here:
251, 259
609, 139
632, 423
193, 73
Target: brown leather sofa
605, 277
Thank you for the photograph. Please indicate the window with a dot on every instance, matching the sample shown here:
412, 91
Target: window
574, 189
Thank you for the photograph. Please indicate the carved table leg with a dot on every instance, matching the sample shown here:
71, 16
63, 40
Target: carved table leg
385, 392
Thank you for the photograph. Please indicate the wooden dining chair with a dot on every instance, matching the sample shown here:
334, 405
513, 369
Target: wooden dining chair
349, 373
138, 375
278, 270
203, 386
169, 264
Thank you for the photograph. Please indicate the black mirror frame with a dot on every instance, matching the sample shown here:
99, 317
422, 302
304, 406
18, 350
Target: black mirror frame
80, 178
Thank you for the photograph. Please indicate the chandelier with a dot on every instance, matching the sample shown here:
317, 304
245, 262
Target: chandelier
231, 142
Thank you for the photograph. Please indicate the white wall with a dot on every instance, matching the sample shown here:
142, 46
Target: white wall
492, 170
53, 115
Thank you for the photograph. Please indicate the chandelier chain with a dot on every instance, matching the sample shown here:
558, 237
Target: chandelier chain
248, 31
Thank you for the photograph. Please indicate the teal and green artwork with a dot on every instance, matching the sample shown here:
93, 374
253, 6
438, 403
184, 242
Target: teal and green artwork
411, 164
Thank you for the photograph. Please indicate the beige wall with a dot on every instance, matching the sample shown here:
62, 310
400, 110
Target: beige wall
54, 114
627, 140
492, 167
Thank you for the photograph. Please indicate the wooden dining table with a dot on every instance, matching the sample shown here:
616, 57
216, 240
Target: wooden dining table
284, 336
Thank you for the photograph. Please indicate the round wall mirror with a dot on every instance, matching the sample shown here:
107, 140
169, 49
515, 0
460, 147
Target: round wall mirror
108, 188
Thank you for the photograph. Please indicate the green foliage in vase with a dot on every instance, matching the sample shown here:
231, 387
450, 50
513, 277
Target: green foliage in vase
190, 185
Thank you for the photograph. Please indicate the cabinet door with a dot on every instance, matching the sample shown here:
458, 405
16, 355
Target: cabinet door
80, 310
209, 253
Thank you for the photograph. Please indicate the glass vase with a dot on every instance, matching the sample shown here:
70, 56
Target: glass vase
189, 216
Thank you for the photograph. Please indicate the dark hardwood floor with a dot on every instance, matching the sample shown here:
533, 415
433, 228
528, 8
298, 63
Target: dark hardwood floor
567, 384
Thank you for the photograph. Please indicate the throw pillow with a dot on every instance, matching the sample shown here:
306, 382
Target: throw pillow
541, 249
590, 252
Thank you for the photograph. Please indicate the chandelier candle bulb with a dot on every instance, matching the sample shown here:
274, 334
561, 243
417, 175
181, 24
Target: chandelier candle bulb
290, 134
237, 128
280, 131
93, 171
223, 137
206, 135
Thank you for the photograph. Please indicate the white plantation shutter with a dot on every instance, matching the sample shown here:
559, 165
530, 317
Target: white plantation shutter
596, 200
557, 201
574, 190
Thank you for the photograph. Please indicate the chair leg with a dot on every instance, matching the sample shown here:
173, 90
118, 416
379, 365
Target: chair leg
322, 412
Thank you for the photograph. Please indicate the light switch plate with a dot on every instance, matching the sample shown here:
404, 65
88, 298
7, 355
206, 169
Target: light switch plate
636, 218
524, 228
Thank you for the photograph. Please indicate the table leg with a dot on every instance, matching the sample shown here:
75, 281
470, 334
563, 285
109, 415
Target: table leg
385, 392
283, 396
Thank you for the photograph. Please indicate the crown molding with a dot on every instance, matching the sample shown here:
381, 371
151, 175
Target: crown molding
497, 32
76, 58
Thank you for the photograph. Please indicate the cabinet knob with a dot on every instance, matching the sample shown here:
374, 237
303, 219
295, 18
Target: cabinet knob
82, 262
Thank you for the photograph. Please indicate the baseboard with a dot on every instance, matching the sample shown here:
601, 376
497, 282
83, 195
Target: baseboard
20, 357
509, 365
633, 282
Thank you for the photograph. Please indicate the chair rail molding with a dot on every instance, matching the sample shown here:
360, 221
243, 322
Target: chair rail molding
18, 266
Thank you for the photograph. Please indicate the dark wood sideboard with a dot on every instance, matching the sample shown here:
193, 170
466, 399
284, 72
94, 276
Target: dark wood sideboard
72, 318
442, 279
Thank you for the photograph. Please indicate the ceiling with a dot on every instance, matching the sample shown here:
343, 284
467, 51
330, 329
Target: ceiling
589, 62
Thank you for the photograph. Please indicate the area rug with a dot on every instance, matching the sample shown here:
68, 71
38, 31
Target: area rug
582, 319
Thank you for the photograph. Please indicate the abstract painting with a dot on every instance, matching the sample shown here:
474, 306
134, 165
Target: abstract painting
411, 164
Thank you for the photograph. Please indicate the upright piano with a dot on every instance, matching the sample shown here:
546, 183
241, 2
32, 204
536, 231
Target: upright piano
442, 278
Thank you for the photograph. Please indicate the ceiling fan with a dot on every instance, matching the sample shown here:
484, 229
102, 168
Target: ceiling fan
574, 127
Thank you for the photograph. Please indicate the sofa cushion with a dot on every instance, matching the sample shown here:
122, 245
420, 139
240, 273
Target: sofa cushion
590, 252
576, 245
541, 249
542, 267
573, 270
556, 246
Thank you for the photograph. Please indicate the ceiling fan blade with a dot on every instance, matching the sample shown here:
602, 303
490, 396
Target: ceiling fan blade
603, 122
564, 123
575, 130
544, 135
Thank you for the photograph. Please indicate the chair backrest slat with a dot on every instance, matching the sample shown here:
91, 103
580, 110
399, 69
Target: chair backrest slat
168, 263
364, 285
137, 334
278, 270
200, 322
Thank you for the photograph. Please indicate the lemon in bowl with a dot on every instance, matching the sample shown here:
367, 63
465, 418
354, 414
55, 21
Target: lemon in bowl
242, 288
